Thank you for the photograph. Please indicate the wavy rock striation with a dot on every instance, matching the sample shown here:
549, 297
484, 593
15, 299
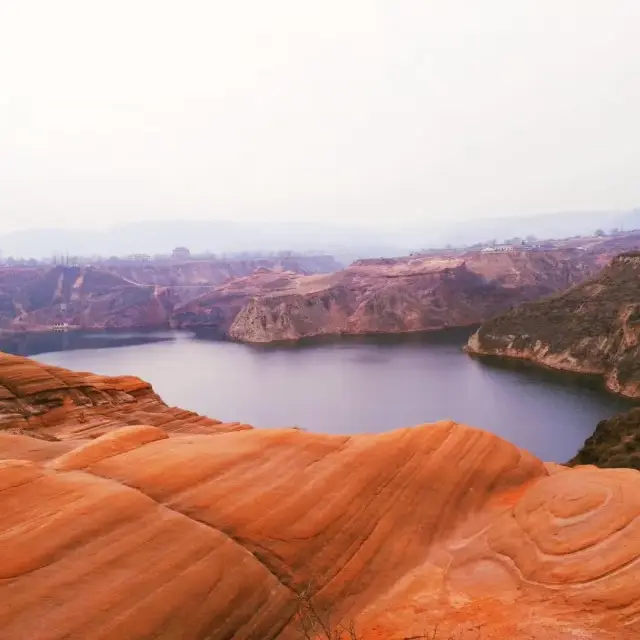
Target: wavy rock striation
54, 403
593, 328
186, 528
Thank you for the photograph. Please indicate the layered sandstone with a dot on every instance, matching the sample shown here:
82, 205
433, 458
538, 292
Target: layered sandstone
382, 296
186, 528
50, 402
593, 328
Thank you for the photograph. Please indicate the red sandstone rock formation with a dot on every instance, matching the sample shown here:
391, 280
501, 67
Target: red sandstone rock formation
185, 528
382, 296
50, 402
38, 299
126, 296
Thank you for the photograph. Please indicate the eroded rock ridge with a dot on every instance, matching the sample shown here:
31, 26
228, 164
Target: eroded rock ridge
127, 519
593, 328
382, 296
123, 295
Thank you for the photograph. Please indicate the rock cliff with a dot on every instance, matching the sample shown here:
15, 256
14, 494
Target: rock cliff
138, 521
135, 295
38, 299
217, 309
615, 442
593, 328
382, 296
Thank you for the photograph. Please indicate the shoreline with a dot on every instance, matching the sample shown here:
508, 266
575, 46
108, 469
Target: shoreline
599, 377
320, 337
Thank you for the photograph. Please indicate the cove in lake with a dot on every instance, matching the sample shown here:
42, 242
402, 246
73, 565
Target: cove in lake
355, 385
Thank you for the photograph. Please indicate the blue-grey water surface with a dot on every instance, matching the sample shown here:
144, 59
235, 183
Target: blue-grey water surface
345, 386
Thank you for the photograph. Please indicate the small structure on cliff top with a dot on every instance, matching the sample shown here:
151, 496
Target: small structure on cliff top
500, 248
181, 253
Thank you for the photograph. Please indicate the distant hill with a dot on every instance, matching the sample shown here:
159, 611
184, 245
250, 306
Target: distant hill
347, 243
218, 237
556, 225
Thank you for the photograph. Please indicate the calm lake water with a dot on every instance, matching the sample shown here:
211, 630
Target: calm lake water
347, 386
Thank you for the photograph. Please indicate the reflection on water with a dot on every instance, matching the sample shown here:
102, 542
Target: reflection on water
29, 344
456, 337
352, 385
545, 374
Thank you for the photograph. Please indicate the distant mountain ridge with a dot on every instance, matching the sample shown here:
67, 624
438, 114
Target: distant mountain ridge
217, 237
347, 243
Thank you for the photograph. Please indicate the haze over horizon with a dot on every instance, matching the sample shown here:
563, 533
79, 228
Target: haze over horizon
360, 114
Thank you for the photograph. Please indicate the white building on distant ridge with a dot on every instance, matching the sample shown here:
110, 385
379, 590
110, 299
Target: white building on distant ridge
499, 248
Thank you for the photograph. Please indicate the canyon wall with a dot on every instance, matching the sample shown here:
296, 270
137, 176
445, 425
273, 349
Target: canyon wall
593, 328
383, 296
129, 295
82, 298
126, 519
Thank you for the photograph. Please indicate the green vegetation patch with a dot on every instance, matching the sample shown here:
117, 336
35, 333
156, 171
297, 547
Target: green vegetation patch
614, 444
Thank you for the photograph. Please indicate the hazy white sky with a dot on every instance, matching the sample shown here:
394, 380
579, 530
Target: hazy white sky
342, 110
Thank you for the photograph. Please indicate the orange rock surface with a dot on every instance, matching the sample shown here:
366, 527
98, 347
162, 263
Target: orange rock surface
143, 521
50, 402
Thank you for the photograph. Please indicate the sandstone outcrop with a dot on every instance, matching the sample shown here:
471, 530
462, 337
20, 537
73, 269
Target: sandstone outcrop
176, 526
593, 328
382, 296
217, 309
51, 402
